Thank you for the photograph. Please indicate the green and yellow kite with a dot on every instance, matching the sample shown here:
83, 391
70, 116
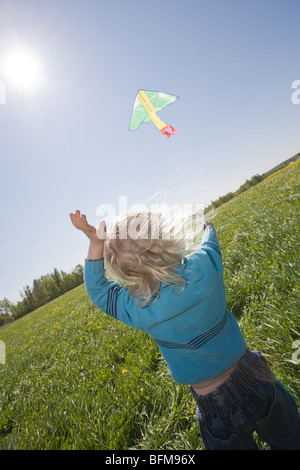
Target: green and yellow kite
146, 105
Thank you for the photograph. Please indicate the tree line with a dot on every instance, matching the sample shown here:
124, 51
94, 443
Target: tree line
252, 182
43, 290
222, 199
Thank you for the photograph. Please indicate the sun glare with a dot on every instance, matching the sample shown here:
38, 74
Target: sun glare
22, 69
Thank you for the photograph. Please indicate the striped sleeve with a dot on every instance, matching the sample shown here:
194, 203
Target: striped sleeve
109, 296
211, 248
111, 304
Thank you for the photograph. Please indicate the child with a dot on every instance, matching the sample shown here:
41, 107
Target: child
180, 301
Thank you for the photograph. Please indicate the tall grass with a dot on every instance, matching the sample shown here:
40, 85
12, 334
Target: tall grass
259, 234
75, 378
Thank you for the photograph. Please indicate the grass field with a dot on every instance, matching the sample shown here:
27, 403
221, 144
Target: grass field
75, 378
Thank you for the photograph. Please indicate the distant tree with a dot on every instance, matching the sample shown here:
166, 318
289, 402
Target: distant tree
27, 294
6, 311
256, 179
56, 275
6, 307
50, 288
43, 290
78, 272
21, 309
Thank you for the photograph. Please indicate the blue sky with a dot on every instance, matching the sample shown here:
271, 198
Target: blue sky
67, 146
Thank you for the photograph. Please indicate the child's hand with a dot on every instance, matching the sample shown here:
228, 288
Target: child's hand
96, 236
79, 221
207, 224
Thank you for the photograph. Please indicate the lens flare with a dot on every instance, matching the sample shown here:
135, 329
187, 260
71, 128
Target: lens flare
22, 69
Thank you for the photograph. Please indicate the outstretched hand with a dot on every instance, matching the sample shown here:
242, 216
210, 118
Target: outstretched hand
207, 224
96, 237
80, 222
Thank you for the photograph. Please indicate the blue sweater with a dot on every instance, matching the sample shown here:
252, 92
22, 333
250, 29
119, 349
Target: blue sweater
195, 332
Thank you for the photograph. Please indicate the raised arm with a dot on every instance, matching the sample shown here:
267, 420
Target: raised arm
109, 296
210, 246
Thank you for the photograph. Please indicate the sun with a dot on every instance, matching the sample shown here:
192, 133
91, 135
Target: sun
22, 69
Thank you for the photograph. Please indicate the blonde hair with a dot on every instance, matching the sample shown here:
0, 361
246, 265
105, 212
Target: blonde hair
143, 250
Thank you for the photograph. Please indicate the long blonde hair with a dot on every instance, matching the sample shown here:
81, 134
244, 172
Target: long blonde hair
143, 250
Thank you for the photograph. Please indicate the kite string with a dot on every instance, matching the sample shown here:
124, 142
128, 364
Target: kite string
181, 173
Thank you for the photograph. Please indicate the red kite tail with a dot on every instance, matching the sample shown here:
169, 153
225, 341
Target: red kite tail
168, 131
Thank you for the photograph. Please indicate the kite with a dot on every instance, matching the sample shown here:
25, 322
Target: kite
146, 105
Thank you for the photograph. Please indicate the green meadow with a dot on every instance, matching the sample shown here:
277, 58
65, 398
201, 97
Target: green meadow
75, 378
